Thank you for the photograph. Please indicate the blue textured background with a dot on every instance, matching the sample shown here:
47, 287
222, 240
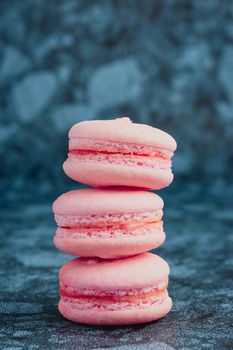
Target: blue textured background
166, 63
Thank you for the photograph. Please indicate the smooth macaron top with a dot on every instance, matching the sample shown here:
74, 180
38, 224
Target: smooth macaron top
144, 270
106, 201
123, 130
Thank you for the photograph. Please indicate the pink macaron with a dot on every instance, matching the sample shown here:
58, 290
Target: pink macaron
119, 153
108, 223
115, 292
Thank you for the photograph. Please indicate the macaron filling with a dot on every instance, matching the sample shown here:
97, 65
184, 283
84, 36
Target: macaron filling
117, 153
85, 144
105, 220
109, 225
112, 300
110, 232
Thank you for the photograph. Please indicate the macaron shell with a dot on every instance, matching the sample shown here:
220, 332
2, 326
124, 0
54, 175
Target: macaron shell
123, 130
109, 200
144, 270
110, 248
99, 174
114, 318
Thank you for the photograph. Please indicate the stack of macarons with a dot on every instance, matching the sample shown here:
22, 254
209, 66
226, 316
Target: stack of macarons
111, 227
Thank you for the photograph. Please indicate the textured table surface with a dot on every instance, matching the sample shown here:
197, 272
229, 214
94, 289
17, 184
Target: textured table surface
198, 223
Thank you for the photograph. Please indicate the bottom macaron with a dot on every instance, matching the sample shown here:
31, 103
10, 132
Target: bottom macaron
100, 292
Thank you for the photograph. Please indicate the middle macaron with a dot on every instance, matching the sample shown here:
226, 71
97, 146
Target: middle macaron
108, 223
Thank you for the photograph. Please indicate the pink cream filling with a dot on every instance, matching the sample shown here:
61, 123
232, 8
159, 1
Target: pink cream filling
111, 152
134, 230
107, 220
117, 147
90, 299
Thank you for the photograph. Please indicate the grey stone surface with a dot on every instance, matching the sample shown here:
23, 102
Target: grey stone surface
198, 224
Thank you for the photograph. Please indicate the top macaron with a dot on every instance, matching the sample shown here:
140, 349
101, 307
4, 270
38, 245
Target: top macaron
119, 153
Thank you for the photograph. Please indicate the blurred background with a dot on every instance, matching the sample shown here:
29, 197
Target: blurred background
165, 63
